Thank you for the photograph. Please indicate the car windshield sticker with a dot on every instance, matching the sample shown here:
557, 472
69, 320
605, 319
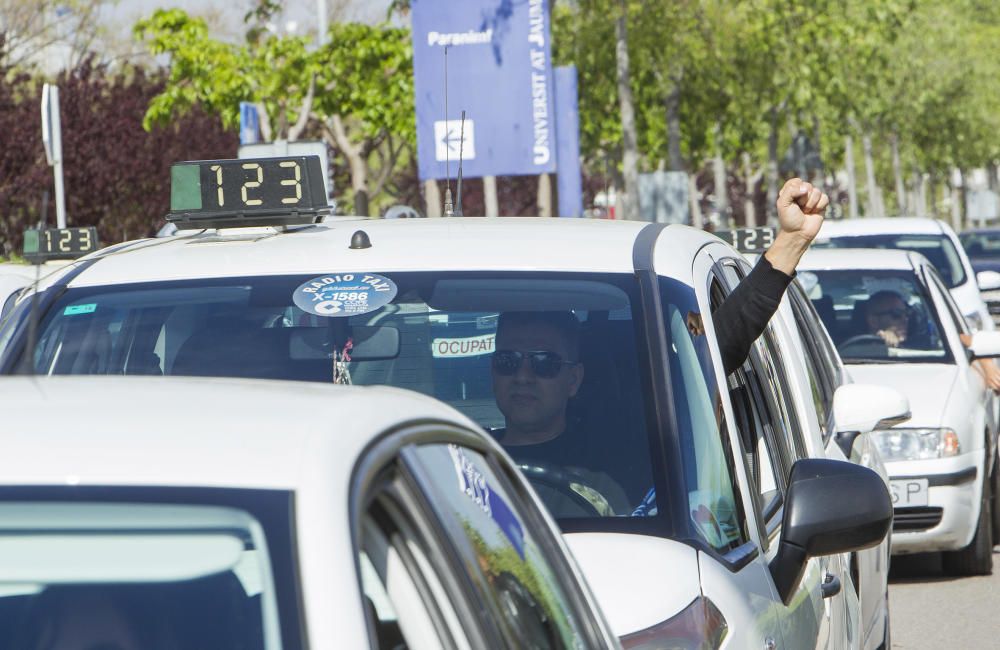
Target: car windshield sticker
347, 294
72, 310
472, 483
468, 347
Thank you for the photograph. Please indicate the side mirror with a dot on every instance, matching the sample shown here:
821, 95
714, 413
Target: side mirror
985, 345
831, 507
988, 280
859, 408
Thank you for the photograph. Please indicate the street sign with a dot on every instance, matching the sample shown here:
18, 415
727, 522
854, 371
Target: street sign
499, 71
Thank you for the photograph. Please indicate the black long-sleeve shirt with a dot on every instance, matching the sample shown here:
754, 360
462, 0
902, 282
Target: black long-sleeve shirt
743, 315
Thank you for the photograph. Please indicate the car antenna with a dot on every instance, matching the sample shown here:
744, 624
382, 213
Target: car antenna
458, 189
449, 209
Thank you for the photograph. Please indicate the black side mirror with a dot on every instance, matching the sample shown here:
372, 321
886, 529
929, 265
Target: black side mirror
831, 507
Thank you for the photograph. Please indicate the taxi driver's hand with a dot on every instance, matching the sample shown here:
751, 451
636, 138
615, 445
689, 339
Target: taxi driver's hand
800, 213
991, 374
801, 207
892, 338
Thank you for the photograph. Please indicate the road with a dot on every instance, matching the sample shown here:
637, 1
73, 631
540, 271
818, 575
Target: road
932, 610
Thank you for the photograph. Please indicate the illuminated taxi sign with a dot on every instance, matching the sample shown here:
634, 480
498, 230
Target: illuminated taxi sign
748, 240
247, 192
59, 243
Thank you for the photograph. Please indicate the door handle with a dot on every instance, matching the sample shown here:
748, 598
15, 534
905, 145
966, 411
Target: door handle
831, 586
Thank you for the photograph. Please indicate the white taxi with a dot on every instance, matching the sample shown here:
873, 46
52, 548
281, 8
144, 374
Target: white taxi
688, 497
270, 515
895, 323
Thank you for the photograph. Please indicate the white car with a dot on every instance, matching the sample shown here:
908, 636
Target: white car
685, 494
895, 323
270, 515
932, 238
13, 277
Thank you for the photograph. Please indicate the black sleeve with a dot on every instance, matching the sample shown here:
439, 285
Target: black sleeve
744, 314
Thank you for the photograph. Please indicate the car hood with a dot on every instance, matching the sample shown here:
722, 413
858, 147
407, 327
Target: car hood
927, 386
638, 580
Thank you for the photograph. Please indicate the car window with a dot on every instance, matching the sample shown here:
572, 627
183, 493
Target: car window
981, 245
819, 368
511, 568
133, 576
877, 316
938, 249
714, 509
945, 297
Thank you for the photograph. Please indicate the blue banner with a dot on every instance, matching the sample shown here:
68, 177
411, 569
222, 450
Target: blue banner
249, 123
569, 181
499, 72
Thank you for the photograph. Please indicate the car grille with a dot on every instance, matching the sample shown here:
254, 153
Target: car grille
910, 519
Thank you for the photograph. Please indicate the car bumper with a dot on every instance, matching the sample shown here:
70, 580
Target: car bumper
949, 519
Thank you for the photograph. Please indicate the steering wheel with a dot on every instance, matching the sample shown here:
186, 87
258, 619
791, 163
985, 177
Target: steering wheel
862, 338
563, 480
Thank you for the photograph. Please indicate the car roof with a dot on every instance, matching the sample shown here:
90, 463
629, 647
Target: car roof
506, 243
197, 432
881, 226
817, 259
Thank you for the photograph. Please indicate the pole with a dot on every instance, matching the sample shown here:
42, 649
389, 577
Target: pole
322, 22
52, 139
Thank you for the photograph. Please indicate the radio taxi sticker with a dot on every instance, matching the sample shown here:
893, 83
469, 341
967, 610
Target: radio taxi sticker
344, 294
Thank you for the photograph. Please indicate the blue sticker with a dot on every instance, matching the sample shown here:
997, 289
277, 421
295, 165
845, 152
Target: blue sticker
346, 294
72, 310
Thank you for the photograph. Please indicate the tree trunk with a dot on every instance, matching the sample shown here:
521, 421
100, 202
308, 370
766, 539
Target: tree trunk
956, 199
750, 179
719, 176
490, 196
432, 198
355, 161
852, 179
674, 128
544, 201
874, 200
697, 219
630, 151
897, 170
921, 183
772, 168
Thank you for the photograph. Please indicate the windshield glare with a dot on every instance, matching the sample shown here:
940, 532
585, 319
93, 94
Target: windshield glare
938, 249
876, 316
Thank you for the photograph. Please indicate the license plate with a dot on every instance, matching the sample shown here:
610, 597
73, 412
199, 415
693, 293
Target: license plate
909, 493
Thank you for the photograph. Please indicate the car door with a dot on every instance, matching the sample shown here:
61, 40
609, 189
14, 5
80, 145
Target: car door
762, 400
741, 585
477, 563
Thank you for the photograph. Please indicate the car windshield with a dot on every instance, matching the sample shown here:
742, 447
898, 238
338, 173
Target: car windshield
938, 249
876, 316
569, 351
981, 244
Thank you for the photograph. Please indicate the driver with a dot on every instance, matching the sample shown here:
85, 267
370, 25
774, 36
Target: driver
536, 370
887, 316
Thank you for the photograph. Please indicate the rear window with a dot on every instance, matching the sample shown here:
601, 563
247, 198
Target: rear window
938, 249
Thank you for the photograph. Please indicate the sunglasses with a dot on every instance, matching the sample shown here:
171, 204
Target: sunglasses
544, 364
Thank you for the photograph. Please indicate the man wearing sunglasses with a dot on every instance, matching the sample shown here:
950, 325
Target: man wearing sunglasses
887, 316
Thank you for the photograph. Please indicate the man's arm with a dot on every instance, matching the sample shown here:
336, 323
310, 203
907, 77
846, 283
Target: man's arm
744, 314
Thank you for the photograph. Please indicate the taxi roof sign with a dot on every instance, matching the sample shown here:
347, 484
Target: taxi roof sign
45, 244
247, 192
